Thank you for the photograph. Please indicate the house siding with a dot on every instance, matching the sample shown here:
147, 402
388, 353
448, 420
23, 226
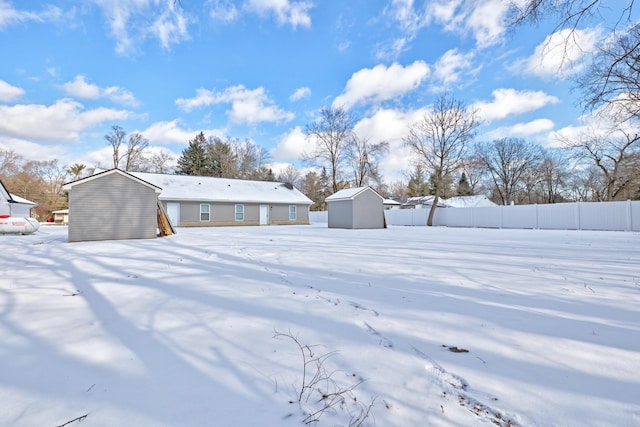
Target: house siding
224, 214
112, 207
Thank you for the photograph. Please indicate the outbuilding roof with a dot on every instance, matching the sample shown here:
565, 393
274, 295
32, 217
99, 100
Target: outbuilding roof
212, 189
350, 194
130, 175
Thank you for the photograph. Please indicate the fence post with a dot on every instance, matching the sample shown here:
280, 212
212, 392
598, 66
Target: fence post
628, 222
579, 224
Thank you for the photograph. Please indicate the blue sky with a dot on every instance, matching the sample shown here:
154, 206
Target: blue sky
262, 69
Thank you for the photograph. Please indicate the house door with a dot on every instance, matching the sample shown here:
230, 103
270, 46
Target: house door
264, 214
173, 212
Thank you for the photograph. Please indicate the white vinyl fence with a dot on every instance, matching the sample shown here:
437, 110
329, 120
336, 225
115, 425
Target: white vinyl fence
613, 216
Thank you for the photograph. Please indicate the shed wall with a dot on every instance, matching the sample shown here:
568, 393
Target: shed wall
112, 207
368, 211
340, 214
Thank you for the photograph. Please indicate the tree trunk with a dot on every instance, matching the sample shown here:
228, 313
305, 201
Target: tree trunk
432, 211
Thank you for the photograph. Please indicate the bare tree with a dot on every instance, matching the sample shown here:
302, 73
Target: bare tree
289, 175
364, 158
613, 78
510, 163
330, 135
10, 162
159, 162
614, 153
569, 13
440, 140
553, 174
116, 138
134, 152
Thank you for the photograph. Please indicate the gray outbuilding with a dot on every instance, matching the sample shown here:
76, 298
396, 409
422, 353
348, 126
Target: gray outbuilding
360, 207
112, 205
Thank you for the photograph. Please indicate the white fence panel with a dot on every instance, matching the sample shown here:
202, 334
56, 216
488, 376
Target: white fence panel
453, 217
487, 217
319, 217
520, 216
614, 216
406, 216
634, 214
604, 216
560, 216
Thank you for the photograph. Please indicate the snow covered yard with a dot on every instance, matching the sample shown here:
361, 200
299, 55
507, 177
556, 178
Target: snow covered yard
445, 326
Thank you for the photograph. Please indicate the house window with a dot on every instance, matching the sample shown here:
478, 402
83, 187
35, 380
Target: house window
292, 212
239, 212
205, 212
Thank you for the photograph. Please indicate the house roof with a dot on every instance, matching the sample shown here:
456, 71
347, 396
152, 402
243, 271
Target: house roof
4, 192
72, 184
350, 194
453, 202
22, 201
212, 189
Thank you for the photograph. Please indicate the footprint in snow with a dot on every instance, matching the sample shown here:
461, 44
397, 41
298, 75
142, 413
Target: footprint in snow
384, 341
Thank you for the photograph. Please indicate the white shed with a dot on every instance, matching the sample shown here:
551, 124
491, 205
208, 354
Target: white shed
360, 207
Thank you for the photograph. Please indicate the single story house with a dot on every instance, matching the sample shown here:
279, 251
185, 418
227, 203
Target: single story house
360, 207
112, 205
61, 216
200, 201
425, 202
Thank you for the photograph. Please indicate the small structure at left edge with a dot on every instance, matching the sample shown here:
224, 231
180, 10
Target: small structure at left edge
114, 205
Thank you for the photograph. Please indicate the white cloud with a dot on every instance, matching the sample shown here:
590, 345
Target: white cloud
223, 11
8, 92
64, 120
171, 27
561, 54
483, 19
131, 22
533, 127
286, 12
294, 13
248, 106
390, 126
171, 132
507, 102
382, 83
451, 66
291, 146
300, 93
11, 16
80, 88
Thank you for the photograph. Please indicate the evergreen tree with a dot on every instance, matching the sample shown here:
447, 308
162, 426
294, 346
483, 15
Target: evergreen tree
194, 159
417, 185
464, 189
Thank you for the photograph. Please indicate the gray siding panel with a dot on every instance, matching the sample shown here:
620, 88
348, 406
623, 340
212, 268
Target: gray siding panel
341, 214
110, 208
368, 211
224, 214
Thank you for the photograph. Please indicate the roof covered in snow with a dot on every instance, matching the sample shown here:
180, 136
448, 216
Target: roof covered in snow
211, 189
478, 201
22, 201
350, 193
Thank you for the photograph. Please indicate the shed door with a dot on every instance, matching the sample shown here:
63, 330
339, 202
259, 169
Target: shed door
264, 214
173, 211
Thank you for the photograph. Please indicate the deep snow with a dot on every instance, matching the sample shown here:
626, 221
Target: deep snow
179, 331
